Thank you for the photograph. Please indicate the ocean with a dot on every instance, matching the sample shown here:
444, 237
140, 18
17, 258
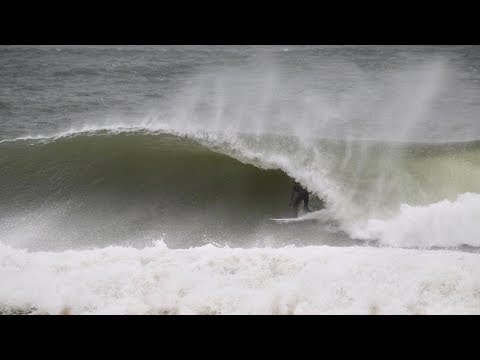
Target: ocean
143, 179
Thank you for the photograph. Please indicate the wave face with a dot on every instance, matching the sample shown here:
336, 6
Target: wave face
119, 187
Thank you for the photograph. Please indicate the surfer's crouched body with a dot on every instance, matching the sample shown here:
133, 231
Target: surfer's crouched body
299, 193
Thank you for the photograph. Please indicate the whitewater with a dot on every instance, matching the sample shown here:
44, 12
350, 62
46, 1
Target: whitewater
141, 180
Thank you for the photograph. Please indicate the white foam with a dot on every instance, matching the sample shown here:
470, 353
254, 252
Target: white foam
211, 280
442, 224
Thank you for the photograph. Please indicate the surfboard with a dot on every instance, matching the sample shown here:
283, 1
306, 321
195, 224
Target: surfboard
288, 220
313, 216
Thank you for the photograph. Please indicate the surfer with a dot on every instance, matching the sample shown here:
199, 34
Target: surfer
300, 194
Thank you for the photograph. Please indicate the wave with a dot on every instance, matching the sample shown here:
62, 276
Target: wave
129, 164
73, 190
203, 186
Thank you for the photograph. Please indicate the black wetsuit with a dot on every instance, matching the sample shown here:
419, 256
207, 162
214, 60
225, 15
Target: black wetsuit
300, 193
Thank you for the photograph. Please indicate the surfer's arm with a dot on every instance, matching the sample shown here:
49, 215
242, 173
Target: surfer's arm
291, 198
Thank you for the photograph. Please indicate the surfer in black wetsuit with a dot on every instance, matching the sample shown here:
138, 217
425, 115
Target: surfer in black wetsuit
300, 194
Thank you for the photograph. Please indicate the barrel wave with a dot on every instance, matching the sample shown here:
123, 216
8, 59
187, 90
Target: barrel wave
127, 187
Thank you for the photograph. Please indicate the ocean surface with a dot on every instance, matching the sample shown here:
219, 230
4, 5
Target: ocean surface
143, 179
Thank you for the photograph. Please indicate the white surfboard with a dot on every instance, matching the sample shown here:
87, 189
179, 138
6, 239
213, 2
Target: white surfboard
287, 220
313, 216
